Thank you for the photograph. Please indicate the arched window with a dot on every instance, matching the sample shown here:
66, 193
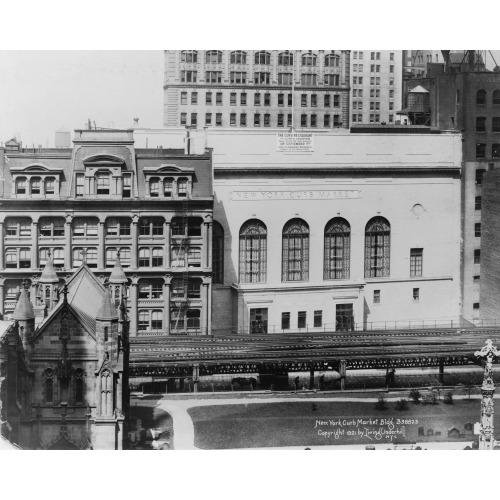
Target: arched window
332, 60
50, 185
49, 385
309, 59
21, 185
213, 56
337, 250
52, 227
151, 289
116, 227
496, 97
285, 58
36, 185
56, 253
253, 252
182, 187
189, 56
154, 187
168, 186
217, 254
110, 256
103, 182
481, 97
295, 264
17, 226
144, 257
238, 57
377, 248
262, 57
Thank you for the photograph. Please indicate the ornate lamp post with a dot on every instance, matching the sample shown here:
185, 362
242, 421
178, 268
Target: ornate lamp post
486, 439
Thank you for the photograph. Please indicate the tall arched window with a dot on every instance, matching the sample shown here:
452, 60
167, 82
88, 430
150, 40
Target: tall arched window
377, 248
50, 185
496, 97
49, 385
21, 185
238, 57
332, 60
103, 182
36, 185
217, 254
213, 56
309, 59
295, 264
285, 58
78, 385
253, 252
189, 56
262, 57
481, 97
337, 250
154, 187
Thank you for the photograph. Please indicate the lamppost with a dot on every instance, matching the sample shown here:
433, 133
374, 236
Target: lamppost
486, 439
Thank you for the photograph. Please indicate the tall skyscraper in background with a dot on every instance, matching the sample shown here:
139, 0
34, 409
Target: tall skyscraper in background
376, 85
257, 88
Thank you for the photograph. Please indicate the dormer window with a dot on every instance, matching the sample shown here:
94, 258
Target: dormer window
168, 187
35, 185
154, 187
127, 186
21, 185
103, 183
50, 184
182, 188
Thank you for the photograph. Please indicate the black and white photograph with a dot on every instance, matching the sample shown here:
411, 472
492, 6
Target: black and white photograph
249, 250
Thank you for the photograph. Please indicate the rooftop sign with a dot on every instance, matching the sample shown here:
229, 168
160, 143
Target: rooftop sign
295, 141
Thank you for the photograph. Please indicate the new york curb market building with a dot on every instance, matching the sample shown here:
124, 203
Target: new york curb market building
351, 231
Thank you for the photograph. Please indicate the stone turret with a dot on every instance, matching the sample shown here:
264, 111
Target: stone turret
118, 282
25, 317
46, 297
107, 329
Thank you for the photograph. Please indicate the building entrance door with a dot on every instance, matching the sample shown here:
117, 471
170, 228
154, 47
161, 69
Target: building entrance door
344, 318
258, 320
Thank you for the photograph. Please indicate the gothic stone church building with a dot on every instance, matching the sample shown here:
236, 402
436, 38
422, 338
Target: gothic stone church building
64, 371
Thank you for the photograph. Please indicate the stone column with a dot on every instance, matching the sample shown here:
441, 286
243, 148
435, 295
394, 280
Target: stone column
34, 245
205, 304
342, 371
166, 303
2, 307
166, 248
133, 306
2, 246
68, 263
311, 378
135, 235
196, 375
101, 250
209, 243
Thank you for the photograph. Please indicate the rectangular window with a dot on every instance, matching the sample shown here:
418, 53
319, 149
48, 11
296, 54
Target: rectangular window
267, 120
184, 97
238, 77
332, 80
218, 119
256, 120
336, 120
416, 260
478, 203
376, 296
208, 119
475, 305
188, 76
303, 120
391, 69
495, 124
477, 230
232, 100
79, 185
479, 175
327, 100
183, 118
326, 121
416, 294
285, 321
262, 78
391, 56
314, 102
313, 120
256, 99
194, 118
372, 57
218, 98
290, 99
281, 99
208, 98
477, 256
267, 99
285, 79
336, 100
318, 319
243, 120
378, 56
213, 76
243, 99
194, 97
301, 319
289, 120
303, 100
281, 120
127, 186
495, 150
480, 124
308, 79
232, 119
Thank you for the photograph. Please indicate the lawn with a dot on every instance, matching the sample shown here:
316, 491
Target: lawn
256, 425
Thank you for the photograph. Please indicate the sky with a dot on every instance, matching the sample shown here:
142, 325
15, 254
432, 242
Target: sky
42, 91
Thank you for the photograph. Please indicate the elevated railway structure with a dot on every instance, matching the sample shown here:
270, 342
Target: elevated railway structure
278, 355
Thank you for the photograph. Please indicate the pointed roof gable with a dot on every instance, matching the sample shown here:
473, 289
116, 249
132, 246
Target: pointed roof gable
24, 309
107, 311
49, 273
117, 275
